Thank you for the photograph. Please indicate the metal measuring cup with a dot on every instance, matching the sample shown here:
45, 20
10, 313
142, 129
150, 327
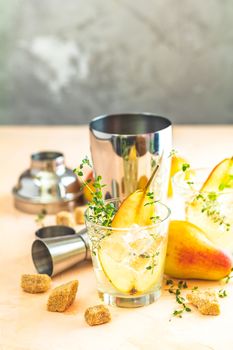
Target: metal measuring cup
58, 248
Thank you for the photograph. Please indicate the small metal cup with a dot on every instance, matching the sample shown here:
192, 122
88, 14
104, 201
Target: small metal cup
62, 251
125, 149
54, 231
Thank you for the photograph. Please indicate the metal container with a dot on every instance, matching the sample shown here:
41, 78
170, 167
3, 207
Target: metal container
125, 149
48, 185
64, 249
54, 231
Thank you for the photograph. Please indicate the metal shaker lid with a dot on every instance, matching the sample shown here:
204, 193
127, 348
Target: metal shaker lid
47, 185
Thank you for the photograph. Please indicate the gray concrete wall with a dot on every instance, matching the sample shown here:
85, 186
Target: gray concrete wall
63, 62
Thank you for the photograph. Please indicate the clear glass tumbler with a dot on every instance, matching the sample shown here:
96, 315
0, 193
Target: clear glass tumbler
211, 211
129, 262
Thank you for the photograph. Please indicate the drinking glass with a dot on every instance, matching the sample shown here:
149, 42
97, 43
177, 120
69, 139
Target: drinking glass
210, 211
129, 261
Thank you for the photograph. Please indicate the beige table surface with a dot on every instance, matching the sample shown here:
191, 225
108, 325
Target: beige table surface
24, 321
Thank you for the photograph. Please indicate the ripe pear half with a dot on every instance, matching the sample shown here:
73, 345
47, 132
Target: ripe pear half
191, 255
133, 209
221, 175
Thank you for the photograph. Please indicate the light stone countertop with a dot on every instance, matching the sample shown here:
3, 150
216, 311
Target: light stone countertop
25, 324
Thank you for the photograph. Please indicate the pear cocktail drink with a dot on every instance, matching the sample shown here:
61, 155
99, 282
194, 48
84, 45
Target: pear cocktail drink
128, 241
207, 201
129, 261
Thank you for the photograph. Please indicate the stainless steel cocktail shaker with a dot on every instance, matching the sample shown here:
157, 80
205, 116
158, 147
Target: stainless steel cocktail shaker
125, 148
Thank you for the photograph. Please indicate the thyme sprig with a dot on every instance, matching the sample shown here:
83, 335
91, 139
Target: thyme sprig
185, 166
228, 183
150, 195
40, 217
210, 206
190, 182
153, 261
222, 293
229, 277
172, 153
100, 212
177, 291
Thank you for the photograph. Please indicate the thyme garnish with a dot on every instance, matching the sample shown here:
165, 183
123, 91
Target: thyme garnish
228, 183
190, 182
155, 218
99, 212
151, 201
185, 166
210, 207
40, 217
153, 259
179, 298
229, 277
150, 196
172, 153
222, 293
153, 162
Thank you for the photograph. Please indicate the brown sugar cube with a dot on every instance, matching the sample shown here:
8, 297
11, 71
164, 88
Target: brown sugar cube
35, 283
62, 297
96, 315
79, 215
206, 302
64, 218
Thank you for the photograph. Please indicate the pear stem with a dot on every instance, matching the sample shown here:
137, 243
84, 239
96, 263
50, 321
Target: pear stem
151, 178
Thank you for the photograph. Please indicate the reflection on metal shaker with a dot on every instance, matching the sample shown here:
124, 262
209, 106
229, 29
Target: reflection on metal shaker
125, 149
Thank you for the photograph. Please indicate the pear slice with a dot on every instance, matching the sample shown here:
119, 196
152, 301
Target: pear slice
127, 272
220, 178
133, 209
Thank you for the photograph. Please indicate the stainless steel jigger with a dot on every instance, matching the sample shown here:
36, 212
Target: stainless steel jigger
59, 248
125, 148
